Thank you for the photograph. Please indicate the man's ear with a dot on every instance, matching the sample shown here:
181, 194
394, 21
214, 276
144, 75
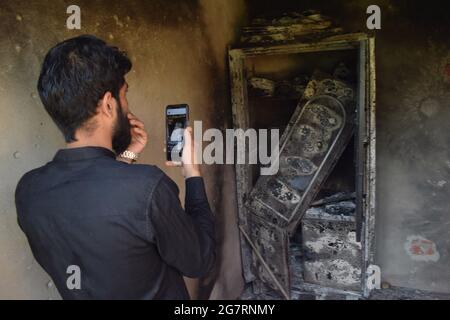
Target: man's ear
107, 105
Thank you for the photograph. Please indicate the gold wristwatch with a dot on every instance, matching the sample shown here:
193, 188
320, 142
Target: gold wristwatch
130, 155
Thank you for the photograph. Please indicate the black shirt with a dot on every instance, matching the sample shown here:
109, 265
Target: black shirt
122, 225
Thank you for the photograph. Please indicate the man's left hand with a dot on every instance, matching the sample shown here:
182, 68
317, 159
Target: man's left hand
138, 134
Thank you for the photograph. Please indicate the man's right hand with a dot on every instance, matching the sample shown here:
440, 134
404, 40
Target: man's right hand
189, 162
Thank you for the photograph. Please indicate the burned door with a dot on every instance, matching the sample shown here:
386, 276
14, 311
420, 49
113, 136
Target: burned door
308, 149
319, 127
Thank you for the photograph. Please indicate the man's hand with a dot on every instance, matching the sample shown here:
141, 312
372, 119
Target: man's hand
138, 134
189, 161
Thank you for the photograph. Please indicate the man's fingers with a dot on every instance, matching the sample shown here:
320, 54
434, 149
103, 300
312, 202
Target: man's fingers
137, 123
134, 120
140, 131
187, 134
140, 135
187, 149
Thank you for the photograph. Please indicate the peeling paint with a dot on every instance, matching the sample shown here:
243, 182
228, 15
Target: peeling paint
335, 271
419, 248
320, 213
441, 183
332, 240
332, 257
282, 193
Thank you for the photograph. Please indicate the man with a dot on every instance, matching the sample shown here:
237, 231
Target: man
90, 209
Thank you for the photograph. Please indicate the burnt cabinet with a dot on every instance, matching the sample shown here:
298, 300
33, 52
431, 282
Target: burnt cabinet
329, 112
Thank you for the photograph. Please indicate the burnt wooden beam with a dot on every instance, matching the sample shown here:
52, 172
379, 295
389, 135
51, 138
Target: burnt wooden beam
242, 172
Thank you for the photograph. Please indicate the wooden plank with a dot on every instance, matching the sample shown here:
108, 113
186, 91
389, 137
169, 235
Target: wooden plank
360, 132
340, 42
368, 239
270, 246
240, 120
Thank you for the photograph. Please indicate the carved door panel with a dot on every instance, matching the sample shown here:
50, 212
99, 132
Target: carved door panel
270, 245
315, 138
309, 148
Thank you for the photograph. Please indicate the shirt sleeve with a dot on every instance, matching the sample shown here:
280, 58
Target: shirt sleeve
184, 238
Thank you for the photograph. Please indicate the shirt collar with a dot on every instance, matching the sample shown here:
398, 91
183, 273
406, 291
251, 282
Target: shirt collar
84, 153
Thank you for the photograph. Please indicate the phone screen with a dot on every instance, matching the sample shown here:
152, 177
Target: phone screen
177, 117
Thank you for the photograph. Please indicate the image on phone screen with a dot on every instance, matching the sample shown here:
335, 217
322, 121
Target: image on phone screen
176, 122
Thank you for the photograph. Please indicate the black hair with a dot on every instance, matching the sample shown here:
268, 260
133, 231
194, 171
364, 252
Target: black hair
75, 75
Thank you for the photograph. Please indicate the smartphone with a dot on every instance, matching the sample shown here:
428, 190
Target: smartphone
177, 117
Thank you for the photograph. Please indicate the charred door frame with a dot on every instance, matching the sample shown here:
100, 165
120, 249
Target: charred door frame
366, 168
